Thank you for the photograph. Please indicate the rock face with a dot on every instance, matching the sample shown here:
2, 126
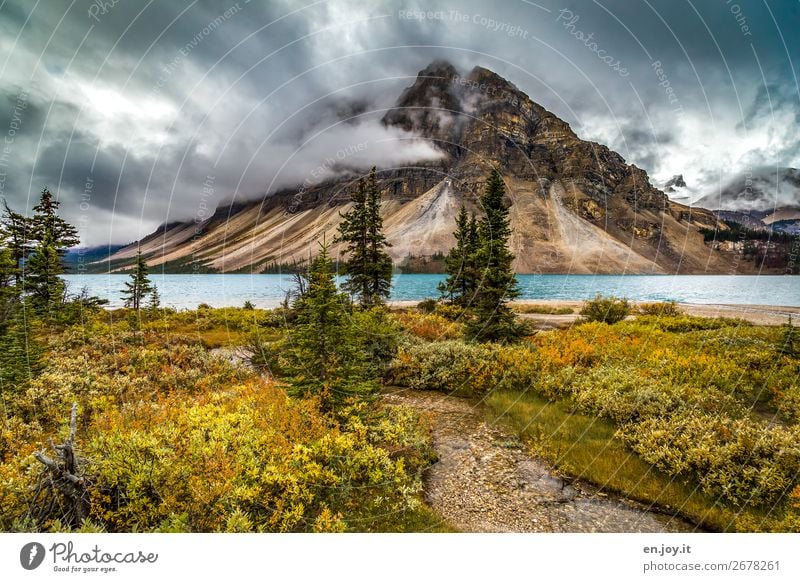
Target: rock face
674, 183
575, 205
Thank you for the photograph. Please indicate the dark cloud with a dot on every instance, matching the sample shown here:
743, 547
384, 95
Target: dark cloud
149, 99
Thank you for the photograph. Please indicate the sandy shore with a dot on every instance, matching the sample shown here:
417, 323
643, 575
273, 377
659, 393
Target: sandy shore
757, 314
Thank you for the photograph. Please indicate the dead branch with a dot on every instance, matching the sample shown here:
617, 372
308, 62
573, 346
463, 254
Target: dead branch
61, 475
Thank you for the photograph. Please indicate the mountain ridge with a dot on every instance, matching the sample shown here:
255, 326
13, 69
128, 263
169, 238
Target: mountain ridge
575, 206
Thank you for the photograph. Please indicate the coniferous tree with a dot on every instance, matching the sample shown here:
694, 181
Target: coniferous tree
16, 228
353, 232
139, 286
50, 237
42, 280
493, 319
368, 267
322, 346
155, 299
9, 291
47, 224
379, 260
460, 267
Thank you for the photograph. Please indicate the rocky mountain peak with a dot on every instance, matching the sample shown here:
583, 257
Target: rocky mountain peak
674, 183
576, 205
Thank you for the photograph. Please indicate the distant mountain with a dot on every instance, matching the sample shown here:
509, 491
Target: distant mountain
674, 184
575, 206
765, 190
88, 259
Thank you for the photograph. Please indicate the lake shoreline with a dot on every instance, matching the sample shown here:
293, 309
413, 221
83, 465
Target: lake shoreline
756, 314
268, 291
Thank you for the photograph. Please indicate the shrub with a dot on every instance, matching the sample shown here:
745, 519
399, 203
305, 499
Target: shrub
687, 323
606, 309
743, 462
543, 309
378, 333
427, 305
248, 305
450, 311
659, 309
246, 459
450, 366
430, 326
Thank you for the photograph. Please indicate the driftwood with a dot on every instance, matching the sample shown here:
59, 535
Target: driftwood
61, 492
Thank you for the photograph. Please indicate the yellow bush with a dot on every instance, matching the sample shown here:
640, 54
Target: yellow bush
429, 326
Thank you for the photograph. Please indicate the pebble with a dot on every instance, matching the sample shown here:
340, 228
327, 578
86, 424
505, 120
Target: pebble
482, 484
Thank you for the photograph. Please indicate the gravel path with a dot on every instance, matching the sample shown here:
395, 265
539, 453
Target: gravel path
484, 481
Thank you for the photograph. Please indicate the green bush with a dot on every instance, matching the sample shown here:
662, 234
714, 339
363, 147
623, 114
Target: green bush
606, 309
659, 309
427, 305
543, 309
449, 366
740, 461
687, 323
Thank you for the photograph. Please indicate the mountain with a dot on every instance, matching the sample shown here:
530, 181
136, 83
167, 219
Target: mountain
674, 184
89, 259
575, 206
763, 190
766, 199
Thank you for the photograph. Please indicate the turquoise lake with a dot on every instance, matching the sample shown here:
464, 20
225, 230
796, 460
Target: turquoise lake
188, 291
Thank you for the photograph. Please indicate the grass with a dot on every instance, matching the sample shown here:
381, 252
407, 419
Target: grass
419, 520
543, 309
586, 447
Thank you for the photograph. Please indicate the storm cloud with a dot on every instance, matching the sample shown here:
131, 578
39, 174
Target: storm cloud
127, 108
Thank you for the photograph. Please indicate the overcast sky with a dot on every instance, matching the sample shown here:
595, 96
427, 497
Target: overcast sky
127, 109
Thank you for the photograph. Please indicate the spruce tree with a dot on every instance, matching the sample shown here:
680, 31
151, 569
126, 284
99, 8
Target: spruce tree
353, 232
50, 237
139, 286
379, 260
462, 276
368, 267
47, 224
155, 299
323, 349
9, 291
42, 281
493, 319
16, 229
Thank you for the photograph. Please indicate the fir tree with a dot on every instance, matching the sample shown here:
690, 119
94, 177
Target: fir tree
155, 299
50, 237
379, 260
42, 281
16, 229
460, 267
353, 232
368, 267
9, 291
323, 346
46, 224
139, 286
493, 319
